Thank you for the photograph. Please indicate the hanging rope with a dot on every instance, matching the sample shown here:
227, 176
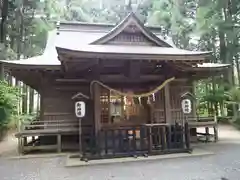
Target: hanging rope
129, 94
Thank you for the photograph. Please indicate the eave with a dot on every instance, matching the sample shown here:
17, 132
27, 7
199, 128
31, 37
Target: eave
131, 53
32, 67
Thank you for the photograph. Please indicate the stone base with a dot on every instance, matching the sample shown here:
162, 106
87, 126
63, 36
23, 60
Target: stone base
75, 162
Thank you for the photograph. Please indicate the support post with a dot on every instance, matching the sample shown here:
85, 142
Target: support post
193, 131
97, 108
81, 153
59, 143
20, 146
187, 136
194, 103
42, 95
167, 105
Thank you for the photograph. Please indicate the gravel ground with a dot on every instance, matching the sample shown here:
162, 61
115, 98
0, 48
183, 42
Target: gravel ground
224, 164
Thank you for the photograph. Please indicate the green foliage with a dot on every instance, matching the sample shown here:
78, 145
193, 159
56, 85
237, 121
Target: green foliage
8, 103
215, 96
15, 121
8, 97
234, 95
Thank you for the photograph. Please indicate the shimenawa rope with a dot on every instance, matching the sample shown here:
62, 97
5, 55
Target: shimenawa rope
129, 94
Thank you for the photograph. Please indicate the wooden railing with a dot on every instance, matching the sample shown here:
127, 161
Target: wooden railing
144, 140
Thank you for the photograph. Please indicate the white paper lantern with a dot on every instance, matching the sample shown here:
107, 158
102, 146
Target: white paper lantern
80, 109
186, 106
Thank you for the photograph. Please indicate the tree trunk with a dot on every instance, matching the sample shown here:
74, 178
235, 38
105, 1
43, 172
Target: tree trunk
10, 80
3, 30
4, 15
21, 26
238, 68
1, 72
229, 14
222, 46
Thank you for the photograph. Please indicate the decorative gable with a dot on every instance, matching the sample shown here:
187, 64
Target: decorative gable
131, 32
131, 38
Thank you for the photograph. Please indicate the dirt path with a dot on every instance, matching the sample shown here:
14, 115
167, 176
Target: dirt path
227, 132
9, 145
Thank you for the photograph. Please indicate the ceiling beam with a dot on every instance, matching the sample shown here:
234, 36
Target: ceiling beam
112, 78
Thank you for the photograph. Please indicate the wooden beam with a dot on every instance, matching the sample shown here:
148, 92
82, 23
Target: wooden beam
71, 80
64, 66
112, 78
133, 69
80, 65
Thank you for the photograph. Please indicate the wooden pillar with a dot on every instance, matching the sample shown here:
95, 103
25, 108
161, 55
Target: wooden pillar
194, 103
25, 99
193, 131
42, 92
41, 107
147, 109
31, 100
97, 107
167, 105
59, 143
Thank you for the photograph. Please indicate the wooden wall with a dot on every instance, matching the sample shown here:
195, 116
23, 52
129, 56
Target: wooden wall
176, 90
158, 114
57, 102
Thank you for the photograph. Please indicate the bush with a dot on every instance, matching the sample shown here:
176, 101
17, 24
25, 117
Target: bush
8, 104
16, 120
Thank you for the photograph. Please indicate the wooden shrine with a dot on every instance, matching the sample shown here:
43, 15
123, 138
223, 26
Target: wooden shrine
131, 80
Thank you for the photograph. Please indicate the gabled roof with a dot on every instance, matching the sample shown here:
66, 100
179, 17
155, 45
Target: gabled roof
79, 40
131, 22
